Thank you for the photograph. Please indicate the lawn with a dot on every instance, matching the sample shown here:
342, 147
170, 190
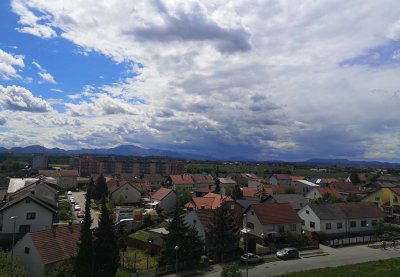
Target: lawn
387, 268
141, 259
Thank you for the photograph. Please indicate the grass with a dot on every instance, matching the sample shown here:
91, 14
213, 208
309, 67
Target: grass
141, 235
141, 259
387, 268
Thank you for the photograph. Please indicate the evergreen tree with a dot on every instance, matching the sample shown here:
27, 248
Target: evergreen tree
237, 193
217, 182
83, 262
189, 243
223, 234
354, 178
105, 246
263, 194
100, 188
90, 186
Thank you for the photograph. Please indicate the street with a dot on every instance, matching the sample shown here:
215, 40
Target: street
333, 257
80, 199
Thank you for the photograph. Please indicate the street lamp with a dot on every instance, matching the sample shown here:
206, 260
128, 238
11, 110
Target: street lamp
12, 249
263, 238
246, 246
176, 258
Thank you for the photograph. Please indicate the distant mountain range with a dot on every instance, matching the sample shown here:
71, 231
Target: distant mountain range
123, 150
132, 150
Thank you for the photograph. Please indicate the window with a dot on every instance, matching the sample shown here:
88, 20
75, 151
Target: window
27, 250
395, 199
281, 228
377, 197
232, 206
30, 216
252, 212
353, 224
363, 223
24, 228
250, 225
293, 228
194, 221
312, 224
328, 226
307, 211
339, 225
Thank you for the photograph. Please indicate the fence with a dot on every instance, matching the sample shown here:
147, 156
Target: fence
143, 245
345, 241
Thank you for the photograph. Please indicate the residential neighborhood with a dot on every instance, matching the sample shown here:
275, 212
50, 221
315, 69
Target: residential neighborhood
261, 215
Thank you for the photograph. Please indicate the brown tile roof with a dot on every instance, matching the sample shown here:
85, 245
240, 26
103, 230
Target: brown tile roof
282, 176
56, 244
160, 194
112, 184
203, 179
251, 192
129, 177
152, 178
396, 190
227, 180
351, 210
296, 178
209, 201
181, 179
329, 190
205, 217
275, 213
140, 186
345, 187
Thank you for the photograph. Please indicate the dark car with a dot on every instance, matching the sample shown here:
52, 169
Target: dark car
287, 253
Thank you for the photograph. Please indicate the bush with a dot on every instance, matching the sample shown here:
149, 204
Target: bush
231, 270
64, 215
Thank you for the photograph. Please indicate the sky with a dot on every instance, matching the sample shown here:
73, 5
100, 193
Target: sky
262, 80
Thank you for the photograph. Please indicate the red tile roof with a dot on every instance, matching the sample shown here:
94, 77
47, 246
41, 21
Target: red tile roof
203, 179
181, 179
345, 187
275, 213
112, 184
329, 190
296, 178
56, 244
209, 201
251, 191
160, 194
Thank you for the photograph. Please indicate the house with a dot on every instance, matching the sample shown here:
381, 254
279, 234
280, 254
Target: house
296, 178
251, 193
227, 185
347, 188
124, 192
268, 220
180, 182
154, 180
66, 179
157, 236
303, 186
388, 199
295, 200
31, 214
210, 201
252, 180
202, 191
339, 219
239, 178
163, 198
280, 179
18, 183
319, 192
202, 181
40, 251
200, 220
44, 191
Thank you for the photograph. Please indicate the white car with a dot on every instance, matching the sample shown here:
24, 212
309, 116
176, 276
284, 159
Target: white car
69, 192
251, 258
77, 207
72, 200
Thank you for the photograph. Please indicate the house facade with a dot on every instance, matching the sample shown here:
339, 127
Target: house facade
164, 198
127, 192
340, 219
66, 179
269, 220
388, 199
280, 179
31, 214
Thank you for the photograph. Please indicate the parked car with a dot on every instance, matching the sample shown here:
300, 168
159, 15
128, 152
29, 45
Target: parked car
72, 200
77, 207
250, 258
287, 253
80, 214
69, 192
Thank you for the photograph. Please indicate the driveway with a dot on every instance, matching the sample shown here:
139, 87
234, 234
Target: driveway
81, 199
336, 257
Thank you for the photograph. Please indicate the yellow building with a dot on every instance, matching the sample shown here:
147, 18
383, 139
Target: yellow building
388, 199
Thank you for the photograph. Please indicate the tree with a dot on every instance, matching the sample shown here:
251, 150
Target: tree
105, 246
183, 196
263, 194
217, 182
354, 178
90, 186
17, 269
63, 269
223, 234
190, 245
100, 188
83, 262
231, 270
237, 193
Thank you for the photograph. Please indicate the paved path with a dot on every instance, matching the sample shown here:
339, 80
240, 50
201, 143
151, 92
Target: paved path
336, 257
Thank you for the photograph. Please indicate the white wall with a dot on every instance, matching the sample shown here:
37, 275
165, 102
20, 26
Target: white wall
311, 216
169, 202
43, 220
32, 261
191, 219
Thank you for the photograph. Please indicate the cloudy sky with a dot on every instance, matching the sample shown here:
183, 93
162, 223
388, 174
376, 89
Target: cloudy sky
264, 80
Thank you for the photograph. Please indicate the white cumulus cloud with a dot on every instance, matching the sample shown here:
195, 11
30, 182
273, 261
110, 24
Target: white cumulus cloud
20, 99
9, 64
